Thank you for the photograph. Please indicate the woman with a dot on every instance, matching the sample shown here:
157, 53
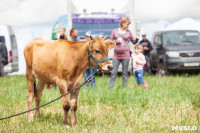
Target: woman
61, 34
122, 53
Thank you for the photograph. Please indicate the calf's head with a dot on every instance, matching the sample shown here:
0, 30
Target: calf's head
99, 50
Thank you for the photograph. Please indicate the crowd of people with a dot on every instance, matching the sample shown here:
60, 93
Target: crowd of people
122, 53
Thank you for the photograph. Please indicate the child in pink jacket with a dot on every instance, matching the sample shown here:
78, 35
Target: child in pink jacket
138, 63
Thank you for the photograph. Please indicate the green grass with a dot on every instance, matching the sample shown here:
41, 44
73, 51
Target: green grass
169, 101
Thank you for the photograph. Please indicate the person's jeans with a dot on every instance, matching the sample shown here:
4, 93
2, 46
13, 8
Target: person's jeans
116, 63
148, 67
139, 77
2, 73
88, 72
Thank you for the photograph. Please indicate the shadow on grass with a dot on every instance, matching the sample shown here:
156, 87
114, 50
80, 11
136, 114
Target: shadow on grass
56, 118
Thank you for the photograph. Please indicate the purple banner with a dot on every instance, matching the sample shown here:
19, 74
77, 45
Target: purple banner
96, 18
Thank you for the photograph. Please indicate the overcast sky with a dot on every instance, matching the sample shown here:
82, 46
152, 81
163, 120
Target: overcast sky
26, 13
147, 10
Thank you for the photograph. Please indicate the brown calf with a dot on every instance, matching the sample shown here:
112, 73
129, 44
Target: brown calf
61, 63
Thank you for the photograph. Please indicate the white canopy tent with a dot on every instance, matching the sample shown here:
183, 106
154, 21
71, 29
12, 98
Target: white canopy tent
184, 24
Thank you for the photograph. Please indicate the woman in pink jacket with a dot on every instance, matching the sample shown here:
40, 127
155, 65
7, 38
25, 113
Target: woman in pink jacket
122, 36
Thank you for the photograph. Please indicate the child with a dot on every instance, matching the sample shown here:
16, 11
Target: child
138, 63
61, 34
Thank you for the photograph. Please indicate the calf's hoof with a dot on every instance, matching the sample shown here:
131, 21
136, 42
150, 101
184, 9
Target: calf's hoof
65, 123
30, 117
73, 123
37, 113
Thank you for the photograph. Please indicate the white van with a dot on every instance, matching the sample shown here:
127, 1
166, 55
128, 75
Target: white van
7, 36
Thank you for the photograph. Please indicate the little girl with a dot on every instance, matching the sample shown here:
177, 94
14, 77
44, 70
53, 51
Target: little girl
138, 63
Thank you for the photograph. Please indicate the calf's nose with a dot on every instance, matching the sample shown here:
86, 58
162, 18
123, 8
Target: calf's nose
110, 67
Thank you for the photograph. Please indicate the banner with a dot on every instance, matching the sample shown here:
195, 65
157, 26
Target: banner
96, 18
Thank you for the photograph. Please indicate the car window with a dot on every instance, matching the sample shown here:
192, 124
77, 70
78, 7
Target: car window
2, 39
181, 38
157, 40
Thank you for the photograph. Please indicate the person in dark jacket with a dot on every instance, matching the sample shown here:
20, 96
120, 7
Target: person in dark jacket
147, 48
3, 58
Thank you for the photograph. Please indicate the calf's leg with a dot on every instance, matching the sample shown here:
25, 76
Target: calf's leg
73, 106
30, 92
38, 95
65, 102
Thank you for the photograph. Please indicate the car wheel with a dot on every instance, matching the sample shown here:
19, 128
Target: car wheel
153, 71
151, 67
161, 70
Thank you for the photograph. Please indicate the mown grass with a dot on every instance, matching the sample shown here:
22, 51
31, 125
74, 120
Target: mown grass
169, 101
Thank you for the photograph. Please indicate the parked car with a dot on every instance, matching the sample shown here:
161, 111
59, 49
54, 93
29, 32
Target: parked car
176, 50
8, 38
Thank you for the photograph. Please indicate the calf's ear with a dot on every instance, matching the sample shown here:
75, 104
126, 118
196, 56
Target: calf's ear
110, 44
91, 37
91, 44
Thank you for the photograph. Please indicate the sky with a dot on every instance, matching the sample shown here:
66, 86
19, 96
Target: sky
38, 16
151, 10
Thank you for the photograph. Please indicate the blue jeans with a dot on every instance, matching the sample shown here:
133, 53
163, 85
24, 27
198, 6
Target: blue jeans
139, 77
88, 72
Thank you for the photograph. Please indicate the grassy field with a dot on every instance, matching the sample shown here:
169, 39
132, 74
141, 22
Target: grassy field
169, 101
